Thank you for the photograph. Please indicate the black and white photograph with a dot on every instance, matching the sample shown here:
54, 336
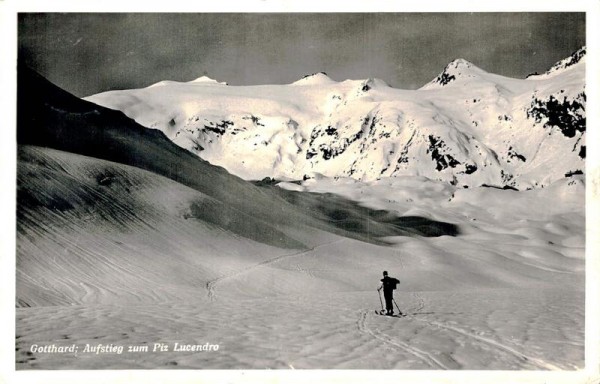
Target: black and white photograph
383, 191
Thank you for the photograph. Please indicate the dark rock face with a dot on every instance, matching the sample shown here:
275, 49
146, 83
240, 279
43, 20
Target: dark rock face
512, 154
576, 57
442, 160
573, 173
218, 128
566, 115
470, 168
311, 153
331, 130
444, 78
338, 145
571, 60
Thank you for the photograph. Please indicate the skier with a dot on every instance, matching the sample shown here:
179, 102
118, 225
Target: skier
388, 284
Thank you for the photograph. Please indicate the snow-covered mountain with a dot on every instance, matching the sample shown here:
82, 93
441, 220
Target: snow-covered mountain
575, 58
125, 239
467, 126
85, 171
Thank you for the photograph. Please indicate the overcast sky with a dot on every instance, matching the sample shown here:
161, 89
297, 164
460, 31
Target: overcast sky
90, 53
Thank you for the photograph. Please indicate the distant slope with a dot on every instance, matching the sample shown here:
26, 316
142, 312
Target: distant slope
467, 126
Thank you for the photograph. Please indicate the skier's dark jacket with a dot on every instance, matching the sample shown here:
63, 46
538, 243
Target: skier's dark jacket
389, 284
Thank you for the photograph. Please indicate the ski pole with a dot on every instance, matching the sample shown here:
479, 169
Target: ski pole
399, 311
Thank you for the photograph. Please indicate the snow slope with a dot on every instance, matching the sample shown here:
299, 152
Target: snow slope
124, 238
135, 269
467, 126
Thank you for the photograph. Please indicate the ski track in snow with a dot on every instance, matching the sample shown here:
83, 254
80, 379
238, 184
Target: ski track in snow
499, 346
428, 358
125, 259
308, 318
211, 285
527, 359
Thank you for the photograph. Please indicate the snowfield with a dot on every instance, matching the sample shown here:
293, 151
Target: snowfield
507, 293
126, 241
467, 126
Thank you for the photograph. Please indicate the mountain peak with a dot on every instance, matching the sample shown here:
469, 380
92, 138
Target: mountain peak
456, 69
482, 128
460, 63
315, 79
367, 84
207, 80
575, 58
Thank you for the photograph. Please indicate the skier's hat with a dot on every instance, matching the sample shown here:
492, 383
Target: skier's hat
385, 273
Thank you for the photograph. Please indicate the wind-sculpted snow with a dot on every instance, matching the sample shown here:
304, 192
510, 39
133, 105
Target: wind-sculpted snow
125, 239
105, 173
467, 127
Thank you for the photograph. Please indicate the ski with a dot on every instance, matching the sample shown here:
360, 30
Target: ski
380, 313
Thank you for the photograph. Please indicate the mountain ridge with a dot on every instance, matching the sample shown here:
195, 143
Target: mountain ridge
467, 127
